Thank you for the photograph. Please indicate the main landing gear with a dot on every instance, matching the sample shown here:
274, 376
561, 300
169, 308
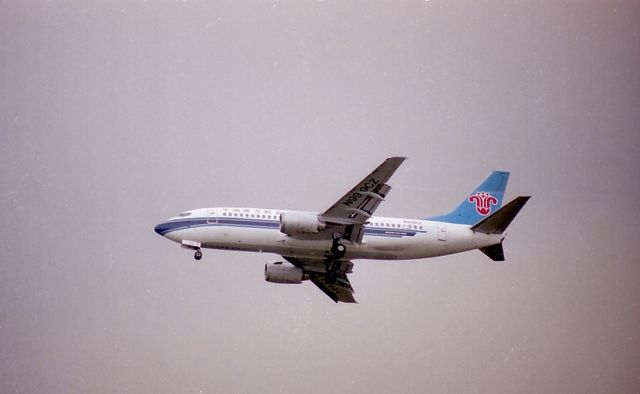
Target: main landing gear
198, 254
338, 250
331, 276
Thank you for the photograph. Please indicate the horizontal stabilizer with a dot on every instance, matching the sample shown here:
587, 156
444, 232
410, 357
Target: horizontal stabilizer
498, 222
495, 252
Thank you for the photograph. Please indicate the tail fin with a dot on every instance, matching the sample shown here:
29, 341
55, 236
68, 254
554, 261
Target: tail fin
485, 199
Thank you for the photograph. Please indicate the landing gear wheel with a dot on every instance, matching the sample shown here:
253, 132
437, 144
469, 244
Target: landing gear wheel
339, 250
198, 255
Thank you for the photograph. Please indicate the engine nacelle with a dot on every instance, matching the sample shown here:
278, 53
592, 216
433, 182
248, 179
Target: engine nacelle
300, 223
280, 272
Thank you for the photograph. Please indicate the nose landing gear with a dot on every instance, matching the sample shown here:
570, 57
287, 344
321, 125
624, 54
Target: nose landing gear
198, 254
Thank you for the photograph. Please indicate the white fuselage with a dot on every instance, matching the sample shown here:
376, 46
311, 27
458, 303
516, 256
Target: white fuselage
258, 230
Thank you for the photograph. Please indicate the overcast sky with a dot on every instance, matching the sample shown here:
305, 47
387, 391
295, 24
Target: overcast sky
117, 115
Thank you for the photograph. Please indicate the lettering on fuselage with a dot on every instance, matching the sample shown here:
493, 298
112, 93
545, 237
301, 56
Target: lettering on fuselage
355, 196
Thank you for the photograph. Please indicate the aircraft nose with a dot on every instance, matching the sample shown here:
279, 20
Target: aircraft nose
160, 229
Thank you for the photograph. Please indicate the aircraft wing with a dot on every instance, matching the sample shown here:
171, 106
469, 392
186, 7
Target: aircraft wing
338, 291
357, 206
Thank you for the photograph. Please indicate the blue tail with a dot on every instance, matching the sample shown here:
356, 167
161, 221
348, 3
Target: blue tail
485, 200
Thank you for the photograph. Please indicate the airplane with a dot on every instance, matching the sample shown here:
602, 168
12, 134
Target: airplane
320, 247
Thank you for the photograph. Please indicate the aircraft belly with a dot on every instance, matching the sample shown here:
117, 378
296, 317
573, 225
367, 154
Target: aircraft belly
233, 238
388, 248
305, 247
420, 246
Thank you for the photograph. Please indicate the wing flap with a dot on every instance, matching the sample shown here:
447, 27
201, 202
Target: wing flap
340, 291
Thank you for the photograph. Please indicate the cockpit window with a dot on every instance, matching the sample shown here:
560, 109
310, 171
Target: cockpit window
184, 214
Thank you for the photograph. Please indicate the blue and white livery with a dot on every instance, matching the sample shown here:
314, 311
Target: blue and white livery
320, 247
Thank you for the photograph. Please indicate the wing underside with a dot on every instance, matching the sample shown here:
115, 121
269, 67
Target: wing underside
339, 289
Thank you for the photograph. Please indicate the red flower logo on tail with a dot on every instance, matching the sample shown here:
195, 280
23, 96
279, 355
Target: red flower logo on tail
483, 201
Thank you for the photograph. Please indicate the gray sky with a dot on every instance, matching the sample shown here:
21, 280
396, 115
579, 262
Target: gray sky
117, 115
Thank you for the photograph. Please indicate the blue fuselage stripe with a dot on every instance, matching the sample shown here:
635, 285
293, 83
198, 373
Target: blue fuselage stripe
181, 224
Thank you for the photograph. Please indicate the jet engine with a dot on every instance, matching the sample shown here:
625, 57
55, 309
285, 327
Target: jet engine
300, 223
280, 272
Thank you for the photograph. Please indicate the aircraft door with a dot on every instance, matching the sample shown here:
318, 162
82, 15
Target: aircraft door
442, 231
212, 218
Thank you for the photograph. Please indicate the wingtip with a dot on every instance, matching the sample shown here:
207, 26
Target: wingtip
401, 158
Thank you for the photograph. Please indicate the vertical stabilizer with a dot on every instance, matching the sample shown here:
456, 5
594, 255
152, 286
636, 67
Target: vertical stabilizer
483, 201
